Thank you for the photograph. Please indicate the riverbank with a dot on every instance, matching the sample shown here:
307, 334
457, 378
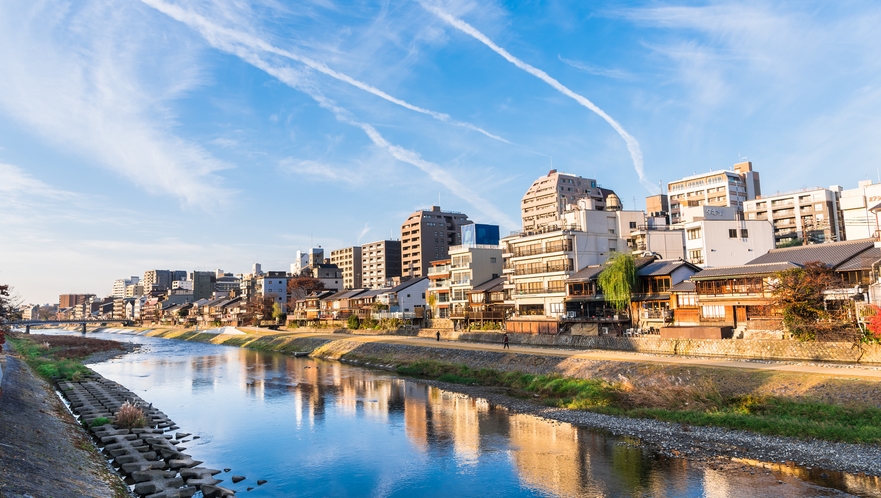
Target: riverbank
708, 444
43, 451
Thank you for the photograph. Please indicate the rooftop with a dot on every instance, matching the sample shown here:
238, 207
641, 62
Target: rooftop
743, 271
832, 254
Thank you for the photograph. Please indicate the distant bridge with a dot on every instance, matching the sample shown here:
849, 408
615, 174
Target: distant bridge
27, 324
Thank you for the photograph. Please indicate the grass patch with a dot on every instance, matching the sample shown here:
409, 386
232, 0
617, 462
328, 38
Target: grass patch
58, 356
700, 405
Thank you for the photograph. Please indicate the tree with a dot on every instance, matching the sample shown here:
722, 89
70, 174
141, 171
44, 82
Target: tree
277, 313
260, 307
798, 294
300, 287
8, 310
617, 280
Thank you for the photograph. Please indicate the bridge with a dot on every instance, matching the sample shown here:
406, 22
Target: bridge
27, 324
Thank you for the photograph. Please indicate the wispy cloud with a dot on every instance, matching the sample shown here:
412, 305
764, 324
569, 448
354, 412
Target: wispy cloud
213, 31
91, 78
632, 144
617, 74
363, 232
316, 170
298, 80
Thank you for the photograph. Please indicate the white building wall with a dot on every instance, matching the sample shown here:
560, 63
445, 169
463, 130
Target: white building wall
413, 296
718, 248
859, 223
670, 244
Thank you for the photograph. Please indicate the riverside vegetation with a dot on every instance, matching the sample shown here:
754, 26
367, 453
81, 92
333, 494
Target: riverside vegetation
772, 403
60, 356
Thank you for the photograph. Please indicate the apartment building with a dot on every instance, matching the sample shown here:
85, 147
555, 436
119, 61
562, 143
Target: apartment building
203, 284
427, 235
438, 294
811, 214
224, 283
538, 264
161, 279
349, 261
544, 202
859, 208
273, 284
717, 188
471, 265
119, 285
380, 261
70, 300
726, 242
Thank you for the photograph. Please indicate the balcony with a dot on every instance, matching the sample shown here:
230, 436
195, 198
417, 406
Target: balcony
552, 266
549, 248
439, 270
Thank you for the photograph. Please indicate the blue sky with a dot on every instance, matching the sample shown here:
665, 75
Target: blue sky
215, 134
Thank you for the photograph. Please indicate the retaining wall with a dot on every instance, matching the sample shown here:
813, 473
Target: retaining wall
765, 349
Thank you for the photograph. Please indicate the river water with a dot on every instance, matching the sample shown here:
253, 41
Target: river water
322, 428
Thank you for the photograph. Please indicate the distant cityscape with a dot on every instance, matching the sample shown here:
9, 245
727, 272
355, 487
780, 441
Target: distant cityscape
705, 251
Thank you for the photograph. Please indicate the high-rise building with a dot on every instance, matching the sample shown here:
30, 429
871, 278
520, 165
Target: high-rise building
478, 234
68, 300
544, 202
203, 284
349, 261
380, 261
427, 235
720, 188
119, 285
811, 214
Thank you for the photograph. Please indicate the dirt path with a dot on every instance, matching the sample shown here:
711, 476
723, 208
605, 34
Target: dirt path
43, 452
863, 372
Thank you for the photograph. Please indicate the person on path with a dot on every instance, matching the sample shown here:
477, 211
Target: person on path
438, 336
506, 343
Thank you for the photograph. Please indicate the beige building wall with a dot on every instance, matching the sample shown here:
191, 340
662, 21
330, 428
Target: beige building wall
380, 261
426, 236
544, 202
811, 214
349, 261
716, 188
471, 266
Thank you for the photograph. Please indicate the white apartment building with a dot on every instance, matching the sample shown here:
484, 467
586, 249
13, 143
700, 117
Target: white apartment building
719, 188
811, 214
135, 290
537, 265
274, 284
544, 202
380, 261
30, 312
119, 285
860, 207
471, 266
719, 242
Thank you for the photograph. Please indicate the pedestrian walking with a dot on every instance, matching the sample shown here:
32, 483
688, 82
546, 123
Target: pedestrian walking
438, 336
506, 342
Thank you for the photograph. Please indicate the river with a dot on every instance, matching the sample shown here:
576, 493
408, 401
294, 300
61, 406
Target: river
321, 428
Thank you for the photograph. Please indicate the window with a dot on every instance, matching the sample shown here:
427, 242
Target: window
632, 224
696, 256
732, 233
744, 233
686, 299
492, 260
693, 233
713, 311
555, 307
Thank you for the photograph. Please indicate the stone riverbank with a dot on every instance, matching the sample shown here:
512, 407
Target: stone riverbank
704, 444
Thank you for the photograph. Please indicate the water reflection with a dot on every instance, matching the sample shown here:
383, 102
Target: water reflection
318, 428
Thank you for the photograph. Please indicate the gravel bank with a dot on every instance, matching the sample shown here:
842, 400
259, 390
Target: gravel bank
696, 443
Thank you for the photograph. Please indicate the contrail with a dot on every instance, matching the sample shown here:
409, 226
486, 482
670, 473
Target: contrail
632, 144
292, 78
212, 31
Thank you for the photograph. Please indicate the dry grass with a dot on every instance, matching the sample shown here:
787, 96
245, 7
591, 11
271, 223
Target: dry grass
62, 347
130, 416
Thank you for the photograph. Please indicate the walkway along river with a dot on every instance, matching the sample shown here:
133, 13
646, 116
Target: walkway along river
320, 428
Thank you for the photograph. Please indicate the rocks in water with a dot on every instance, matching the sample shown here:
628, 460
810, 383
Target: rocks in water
261, 482
237, 479
226, 470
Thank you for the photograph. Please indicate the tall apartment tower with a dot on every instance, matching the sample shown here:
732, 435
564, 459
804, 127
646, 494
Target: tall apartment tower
543, 204
810, 214
722, 188
427, 235
380, 261
349, 261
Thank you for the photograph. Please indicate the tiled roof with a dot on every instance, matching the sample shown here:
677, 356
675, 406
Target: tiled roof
489, 284
832, 254
587, 273
407, 283
745, 270
662, 267
862, 261
684, 286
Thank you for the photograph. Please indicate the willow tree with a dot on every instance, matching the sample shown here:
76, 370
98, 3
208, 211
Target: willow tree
618, 280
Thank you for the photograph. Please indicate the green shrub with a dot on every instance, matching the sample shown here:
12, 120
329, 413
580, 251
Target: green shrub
99, 422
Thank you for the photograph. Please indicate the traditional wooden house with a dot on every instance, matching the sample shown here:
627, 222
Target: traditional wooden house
485, 304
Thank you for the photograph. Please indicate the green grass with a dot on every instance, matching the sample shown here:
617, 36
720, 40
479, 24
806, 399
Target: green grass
44, 362
761, 414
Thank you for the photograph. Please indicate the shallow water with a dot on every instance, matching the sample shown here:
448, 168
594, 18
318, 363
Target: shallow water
320, 428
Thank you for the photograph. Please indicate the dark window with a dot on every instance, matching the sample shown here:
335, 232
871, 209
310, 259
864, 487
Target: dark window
744, 233
732, 233
632, 224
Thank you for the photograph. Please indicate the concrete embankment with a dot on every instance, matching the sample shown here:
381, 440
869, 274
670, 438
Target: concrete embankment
151, 457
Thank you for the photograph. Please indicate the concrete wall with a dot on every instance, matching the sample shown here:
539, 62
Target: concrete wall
767, 349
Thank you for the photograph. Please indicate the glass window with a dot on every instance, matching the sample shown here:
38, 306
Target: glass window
732, 233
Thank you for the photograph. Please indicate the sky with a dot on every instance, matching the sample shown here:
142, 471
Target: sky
196, 135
